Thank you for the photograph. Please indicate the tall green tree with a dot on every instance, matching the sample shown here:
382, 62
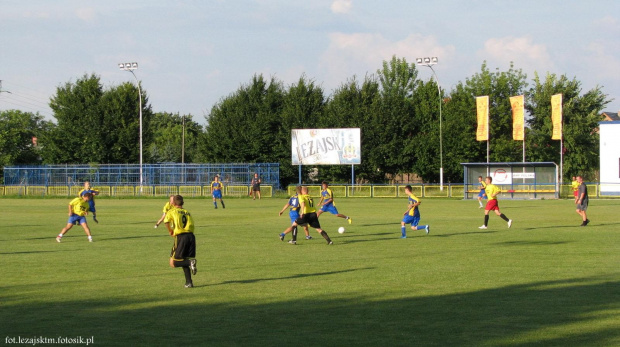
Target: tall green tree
353, 105
393, 122
21, 134
94, 125
303, 106
168, 139
460, 124
242, 127
581, 114
120, 124
424, 144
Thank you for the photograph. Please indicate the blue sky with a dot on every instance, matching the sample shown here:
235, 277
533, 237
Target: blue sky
192, 53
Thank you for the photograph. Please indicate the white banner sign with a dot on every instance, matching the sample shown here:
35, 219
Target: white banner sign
523, 175
501, 176
326, 146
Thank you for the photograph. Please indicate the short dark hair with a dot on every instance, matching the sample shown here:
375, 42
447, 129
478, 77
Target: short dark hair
408, 187
490, 178
325, 183
178, 200
88, 195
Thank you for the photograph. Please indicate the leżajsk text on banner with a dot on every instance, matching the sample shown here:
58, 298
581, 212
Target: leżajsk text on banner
326, 146
482, 107
556, 116
518, 127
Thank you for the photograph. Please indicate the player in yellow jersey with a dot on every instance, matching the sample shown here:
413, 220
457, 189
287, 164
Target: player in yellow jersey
181, 226
412, 215
216, 190
307, 215
293, 203
78, 209
482, 194
327, 203
492, 205
165, 210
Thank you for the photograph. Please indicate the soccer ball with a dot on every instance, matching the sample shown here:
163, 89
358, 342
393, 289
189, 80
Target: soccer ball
341, 230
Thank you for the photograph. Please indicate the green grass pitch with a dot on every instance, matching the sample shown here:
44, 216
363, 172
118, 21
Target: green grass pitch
546, 281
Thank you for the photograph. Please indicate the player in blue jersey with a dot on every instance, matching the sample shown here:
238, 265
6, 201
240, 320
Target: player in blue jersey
293, 203
91, 201
328, 205
216, 190
412, 215
482, 194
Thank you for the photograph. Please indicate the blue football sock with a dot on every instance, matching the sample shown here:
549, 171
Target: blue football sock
403, 231
420, 227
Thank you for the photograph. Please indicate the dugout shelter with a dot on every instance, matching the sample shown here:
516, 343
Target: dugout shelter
517, 180
610, 157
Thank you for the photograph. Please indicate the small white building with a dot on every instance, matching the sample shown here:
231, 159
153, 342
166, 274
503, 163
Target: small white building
610, 157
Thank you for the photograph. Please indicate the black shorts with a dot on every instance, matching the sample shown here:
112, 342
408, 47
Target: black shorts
184, 246
256, 188
309, 218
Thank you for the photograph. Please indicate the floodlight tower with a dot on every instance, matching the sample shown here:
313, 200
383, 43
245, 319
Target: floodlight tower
429, 62
130, 67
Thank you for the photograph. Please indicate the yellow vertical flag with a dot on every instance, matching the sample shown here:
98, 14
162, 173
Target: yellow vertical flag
518, 127
482, 107
556, 116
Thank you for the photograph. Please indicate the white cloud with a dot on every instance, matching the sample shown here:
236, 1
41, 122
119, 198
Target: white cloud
363, 53
37, 15
86, 14
521, 50
600, 55
609, 22
341, 6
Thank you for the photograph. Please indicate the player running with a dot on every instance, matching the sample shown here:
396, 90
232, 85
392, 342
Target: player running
307, 215
181, 226
492, 205
165, 210
91, 202
78, 209
327, 203
412, 215
482, 194
293, 203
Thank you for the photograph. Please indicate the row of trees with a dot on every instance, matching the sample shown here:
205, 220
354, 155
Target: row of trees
396, 111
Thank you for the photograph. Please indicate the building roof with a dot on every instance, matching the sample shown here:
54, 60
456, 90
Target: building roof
611, 116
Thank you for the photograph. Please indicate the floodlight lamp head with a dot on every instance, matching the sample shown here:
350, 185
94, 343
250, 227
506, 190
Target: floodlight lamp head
434, 60
121, 66
418, 60
134, 65
427, 60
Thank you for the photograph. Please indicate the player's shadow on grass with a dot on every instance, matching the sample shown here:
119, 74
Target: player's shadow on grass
570, 312
571, 226
32, 252
151, 222
531, 243
51, 238
376, 224
465, 233
358, 240
130, 237
255, 280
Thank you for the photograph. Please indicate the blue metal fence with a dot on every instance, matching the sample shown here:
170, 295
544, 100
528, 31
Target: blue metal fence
153, 174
